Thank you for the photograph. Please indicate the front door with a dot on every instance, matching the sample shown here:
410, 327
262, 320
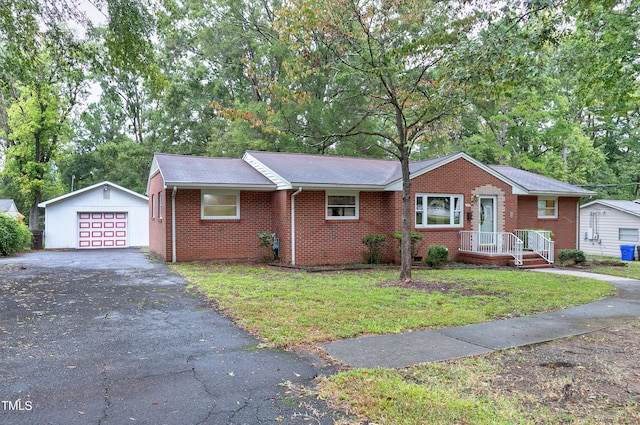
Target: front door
487, 220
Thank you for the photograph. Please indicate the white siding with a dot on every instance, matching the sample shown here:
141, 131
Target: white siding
61, 218
606, 222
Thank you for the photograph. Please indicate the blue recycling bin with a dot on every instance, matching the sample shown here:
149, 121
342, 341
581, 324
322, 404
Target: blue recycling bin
626, 252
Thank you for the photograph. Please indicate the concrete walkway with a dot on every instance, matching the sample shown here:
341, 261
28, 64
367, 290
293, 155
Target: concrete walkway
401, 350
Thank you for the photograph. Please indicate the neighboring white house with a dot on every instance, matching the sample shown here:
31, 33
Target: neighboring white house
104, 215
8, 206
607, 224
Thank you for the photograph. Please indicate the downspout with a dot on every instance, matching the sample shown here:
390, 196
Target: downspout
293, 226
578, 224
173, 224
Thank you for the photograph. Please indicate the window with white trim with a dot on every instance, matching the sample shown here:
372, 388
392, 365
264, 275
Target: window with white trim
547, 207
160, 206
342, 206
629, 235
153, 206
220, 205
438, 210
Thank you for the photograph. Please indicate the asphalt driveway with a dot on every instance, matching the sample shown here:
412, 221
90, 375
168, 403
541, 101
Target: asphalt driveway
112, 337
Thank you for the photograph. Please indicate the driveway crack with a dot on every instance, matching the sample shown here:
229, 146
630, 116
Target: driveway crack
107, 388
211, 395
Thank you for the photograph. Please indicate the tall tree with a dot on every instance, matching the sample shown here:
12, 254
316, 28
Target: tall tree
392, 53
43, 78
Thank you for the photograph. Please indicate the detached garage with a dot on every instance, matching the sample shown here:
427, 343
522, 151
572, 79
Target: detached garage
104, 215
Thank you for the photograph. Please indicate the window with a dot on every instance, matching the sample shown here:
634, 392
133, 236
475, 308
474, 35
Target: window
153, 206
160, 205
547, 208
220, 205
342, 206
630, 235
439, 210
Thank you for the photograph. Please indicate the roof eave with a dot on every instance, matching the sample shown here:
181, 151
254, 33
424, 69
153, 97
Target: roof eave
88, 189
352, 187
608, 205
224, 186
560, 193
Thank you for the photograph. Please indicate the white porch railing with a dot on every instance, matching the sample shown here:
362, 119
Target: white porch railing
538, 241
490, 243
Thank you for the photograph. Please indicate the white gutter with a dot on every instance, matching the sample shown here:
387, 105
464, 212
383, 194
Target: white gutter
173, 224
293, 226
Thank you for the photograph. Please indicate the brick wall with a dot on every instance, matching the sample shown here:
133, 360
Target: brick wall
159, 240
234, 239
461, 177
320, 241
563, 227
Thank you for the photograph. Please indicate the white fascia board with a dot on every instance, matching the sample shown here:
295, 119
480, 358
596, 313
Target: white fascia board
280, 182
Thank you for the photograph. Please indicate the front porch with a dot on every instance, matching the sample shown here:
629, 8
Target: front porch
521, 248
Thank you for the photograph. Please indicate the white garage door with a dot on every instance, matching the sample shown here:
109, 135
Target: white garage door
102, 230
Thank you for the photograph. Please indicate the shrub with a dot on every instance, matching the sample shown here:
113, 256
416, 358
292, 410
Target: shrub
416, 242
437, 256
373, 243
574, 255
14, 236
265, 238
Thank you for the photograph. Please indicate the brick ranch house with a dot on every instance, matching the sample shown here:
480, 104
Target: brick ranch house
320, 208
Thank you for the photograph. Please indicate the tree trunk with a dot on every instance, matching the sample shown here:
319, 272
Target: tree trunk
34, 213
406, 255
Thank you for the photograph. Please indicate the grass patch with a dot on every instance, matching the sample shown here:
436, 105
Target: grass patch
630, 270
289, 308
430, 394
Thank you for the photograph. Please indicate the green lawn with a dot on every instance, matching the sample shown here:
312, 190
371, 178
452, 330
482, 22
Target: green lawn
290, 308
295, 308
630, 270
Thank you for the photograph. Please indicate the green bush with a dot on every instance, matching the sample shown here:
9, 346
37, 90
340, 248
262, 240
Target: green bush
416, 242
574, 255
373, 243
437, 256
14, 236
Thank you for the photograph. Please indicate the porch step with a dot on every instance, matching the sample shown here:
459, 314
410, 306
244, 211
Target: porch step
531, 261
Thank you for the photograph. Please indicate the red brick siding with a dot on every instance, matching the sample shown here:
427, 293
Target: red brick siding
159, 240
321, 241
234, 239
281, 222
563, 227
461, 177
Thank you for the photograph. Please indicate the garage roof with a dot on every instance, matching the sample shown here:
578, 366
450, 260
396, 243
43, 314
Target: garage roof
88, 189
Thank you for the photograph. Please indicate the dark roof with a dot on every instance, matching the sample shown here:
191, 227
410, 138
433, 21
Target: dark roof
277, 170
326, 170
537, 184
181, 170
